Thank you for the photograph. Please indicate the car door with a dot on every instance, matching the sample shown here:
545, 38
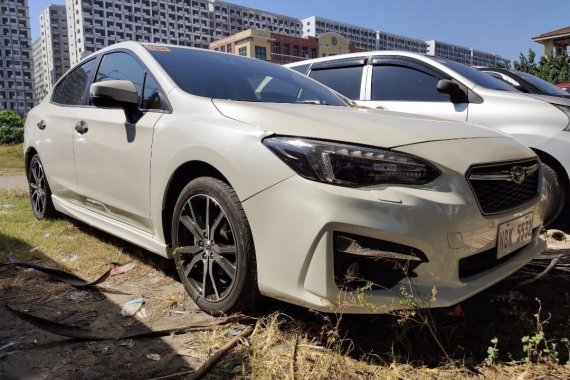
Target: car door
112, 156
406, 85
54, 136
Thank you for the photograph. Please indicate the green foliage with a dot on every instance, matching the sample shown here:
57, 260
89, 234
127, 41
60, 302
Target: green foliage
503, 64
492, 352
528, 63
554, 68
11, 127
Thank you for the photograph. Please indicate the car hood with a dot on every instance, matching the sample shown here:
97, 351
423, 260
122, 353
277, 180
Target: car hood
559, 100
357, 125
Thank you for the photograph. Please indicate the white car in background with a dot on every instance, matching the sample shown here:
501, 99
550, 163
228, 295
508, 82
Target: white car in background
259, 181
409, 82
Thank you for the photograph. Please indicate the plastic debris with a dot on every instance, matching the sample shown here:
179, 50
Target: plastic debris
122, 269
78, 296
47, 235
131, 307
7, 206
71, 258
126, 343
142, 314
233, 331
155, 357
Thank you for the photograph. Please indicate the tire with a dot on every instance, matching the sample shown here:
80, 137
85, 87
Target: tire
215, 261
556, 195
40, 193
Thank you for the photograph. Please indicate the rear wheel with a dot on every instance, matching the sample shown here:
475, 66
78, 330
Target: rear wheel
555, 193
40, 193
213, 247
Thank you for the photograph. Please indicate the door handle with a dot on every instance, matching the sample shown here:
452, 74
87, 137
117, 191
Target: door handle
81, 127
41, 125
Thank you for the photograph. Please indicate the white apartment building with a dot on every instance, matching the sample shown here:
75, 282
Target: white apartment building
39, 73
363, 38
461, 54
54, 57
94, 24
389, 41
16, 63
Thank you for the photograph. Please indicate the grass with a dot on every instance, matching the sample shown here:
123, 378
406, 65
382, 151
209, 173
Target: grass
292, 343
11, 160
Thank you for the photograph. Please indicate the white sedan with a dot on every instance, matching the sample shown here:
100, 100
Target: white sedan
257, 181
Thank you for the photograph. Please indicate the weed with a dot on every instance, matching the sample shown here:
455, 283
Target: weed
492, 352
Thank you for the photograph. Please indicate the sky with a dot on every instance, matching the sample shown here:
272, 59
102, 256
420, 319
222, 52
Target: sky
503, 27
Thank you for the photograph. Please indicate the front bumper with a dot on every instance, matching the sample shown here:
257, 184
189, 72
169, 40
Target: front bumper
295, 221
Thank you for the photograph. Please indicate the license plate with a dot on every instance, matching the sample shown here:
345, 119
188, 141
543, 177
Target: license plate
514, 234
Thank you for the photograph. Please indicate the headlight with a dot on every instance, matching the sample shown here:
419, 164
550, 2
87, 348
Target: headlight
349, 165
566, 110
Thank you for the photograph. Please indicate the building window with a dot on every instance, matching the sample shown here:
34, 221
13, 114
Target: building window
313, 52
277, 47
296, 50
242, 51
261, 52
286, 49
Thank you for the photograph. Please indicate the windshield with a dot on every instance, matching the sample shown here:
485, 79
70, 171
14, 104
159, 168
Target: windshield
542, 85
476, 76
226, 76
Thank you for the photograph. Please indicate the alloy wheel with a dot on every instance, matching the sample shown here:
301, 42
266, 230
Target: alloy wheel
207, 247
38, 187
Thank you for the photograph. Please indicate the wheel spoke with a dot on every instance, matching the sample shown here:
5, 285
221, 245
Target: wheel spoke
207, 220
204, 277
217, 222
226, 266
192, 226
34, 186
228, 249
210, 269
35, 173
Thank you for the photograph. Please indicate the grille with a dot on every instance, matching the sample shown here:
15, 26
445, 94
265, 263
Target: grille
497, 191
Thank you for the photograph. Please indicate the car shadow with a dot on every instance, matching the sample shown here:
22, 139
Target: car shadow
35, 353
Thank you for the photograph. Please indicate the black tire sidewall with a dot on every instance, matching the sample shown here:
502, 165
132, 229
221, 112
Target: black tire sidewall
217, 190
556, 195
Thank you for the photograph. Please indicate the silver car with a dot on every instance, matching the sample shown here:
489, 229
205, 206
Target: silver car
431, 86
259, 181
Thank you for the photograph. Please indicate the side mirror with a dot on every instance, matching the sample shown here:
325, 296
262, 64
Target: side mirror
452, 88
117, 94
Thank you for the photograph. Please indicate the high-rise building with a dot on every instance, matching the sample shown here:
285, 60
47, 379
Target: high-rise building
389, 41
461, 54
54, 58
94, 24
39, 72
16, 64
363, 38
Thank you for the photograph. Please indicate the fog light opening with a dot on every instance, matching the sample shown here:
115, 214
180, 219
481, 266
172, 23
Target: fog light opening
363, 262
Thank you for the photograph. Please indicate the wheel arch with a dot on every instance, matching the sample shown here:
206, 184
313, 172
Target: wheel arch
554, 164
30, 152
185, 173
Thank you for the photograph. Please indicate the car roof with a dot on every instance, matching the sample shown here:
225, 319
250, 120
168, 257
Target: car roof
398, 53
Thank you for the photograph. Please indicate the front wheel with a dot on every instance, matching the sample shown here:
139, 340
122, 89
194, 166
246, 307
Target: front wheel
40, 193
213, 247
555, 193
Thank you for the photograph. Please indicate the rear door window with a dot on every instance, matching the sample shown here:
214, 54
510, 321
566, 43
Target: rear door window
346, 80
401, 83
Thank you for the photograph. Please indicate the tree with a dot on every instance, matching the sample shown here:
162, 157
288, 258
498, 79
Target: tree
555, 68
11, 127
527, 64
503, 64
